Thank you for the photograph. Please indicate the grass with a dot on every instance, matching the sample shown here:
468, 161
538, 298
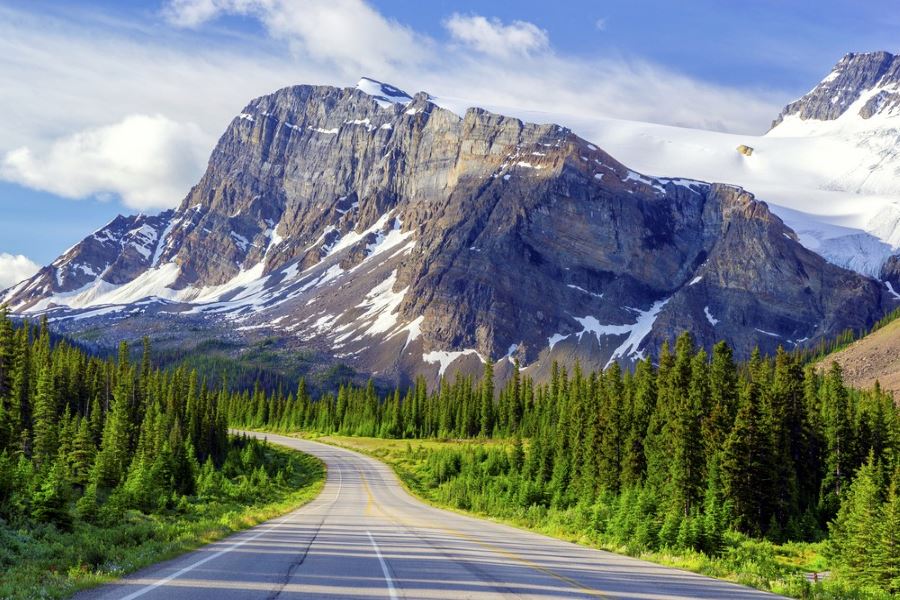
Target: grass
779, 568
44, 562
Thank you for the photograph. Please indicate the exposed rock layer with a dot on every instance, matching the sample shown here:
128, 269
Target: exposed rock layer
397, 236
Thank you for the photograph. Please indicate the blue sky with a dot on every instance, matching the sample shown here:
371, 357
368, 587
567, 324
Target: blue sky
114, 106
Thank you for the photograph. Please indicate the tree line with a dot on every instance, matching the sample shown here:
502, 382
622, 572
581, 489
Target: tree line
698, 445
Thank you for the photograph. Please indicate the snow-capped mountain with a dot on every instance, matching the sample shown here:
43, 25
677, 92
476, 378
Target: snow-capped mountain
829, 167
384, 231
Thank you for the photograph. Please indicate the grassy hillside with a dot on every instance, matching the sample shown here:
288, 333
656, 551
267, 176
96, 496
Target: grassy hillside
875, 357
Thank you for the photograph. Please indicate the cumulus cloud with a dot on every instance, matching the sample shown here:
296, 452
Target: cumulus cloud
149, 161
492, 37
349, 32
15, 268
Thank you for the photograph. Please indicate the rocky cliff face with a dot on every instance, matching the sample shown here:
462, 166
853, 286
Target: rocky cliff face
869, 83
385, 232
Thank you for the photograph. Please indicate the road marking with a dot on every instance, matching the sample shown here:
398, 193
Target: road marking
191, 567
392, 592
490, 547
403, 521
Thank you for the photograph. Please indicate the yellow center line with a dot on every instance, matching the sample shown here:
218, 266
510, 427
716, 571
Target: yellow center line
405, 522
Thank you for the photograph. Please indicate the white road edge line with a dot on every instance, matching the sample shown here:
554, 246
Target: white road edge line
190, 567
392, 591
177, 574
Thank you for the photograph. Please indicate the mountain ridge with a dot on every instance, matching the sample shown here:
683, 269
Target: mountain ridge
873, 76
393, 234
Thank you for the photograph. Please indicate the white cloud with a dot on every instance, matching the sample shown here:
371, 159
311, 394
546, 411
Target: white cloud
76, 123
348, 32
600, 24
579, 93
492, 37
149, 161
14, 268
191, 13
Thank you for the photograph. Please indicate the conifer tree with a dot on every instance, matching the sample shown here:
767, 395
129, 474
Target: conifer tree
113, 458
838, 439
611, 429
45, 419
81, 456
486, 409
746, 465
885, 562
634, 463
854, 532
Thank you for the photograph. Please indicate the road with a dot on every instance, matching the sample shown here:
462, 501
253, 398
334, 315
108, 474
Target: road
365, 537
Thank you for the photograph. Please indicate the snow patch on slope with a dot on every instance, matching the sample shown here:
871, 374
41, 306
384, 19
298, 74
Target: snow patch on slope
636, 332
382, 306
385, 94
446, 358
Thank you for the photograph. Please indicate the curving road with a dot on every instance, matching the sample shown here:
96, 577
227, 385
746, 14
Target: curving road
365, 537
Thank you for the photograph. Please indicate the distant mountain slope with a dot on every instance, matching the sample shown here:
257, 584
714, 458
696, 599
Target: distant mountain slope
831, 173
876, 357
371, 227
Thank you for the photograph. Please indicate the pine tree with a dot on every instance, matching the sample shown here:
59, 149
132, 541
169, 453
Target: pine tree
723, 398
7, 353
854, 532
486, 410
113, 459
838, 439
634, 462
885, 556
51, 499
45, 419
656, 448
746, 465
20, 400
81, 456
685, 439
611, 429
786, 422
517, 457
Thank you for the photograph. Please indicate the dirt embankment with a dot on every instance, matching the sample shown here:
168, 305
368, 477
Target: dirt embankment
875, 357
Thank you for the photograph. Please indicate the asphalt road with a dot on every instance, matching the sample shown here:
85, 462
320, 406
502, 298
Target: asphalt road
365, 537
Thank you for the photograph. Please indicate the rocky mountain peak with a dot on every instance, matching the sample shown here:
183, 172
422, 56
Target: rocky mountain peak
862, 84
384, 93
378, 229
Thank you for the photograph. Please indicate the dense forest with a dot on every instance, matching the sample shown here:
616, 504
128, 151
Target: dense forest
73, 425
670, 455
89, 447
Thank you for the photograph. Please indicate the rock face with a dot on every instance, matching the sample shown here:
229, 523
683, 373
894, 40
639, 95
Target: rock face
400, 238
872, 77
890, 274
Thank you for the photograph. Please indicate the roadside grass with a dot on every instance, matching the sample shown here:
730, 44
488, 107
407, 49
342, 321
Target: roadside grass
778, 568
45, 562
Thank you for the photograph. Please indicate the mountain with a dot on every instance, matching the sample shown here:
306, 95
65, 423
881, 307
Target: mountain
829, 167
377, 229
861, 86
